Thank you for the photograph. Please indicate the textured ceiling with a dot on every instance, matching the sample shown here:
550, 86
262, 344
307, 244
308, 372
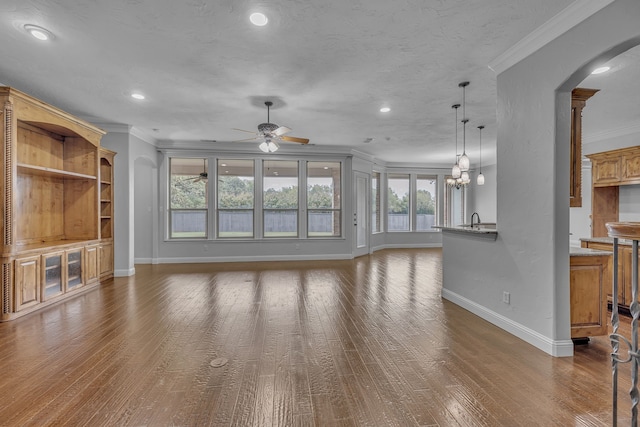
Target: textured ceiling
327, 65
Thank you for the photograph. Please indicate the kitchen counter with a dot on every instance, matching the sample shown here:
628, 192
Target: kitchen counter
573, 251
485, 231
608, 240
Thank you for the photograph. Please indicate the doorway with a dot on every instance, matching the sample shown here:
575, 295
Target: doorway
361, 215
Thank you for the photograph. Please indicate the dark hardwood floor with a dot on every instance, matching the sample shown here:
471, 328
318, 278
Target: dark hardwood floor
367, 342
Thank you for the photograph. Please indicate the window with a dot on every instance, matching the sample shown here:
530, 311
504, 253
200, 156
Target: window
323, 199
235, 198
455, 206
425, 202
280, 198
188, 198
398, 203
376, 204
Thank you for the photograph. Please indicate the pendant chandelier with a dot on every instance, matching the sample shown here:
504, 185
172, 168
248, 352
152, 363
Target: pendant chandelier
460, 170
480, 180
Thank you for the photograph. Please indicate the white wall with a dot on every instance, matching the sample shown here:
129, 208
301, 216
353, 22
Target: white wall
530, 258
145, 203
630, 203
483, 198
118, 140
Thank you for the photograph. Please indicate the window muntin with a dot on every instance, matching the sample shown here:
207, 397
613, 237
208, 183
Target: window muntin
398, 202
324, 199
235, 198
188, 204
376, 203
426, 186
280, 198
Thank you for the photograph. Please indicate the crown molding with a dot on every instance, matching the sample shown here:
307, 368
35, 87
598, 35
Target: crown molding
611, 134
139, 133
568, 18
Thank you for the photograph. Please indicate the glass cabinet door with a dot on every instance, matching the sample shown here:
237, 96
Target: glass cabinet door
52, 281
74, 269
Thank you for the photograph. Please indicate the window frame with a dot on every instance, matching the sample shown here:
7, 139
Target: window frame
336, 212
171, 210
218, 209
265, 234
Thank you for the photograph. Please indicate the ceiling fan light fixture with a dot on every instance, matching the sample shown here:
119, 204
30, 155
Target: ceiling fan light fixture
273, 146
258, 19
264, 147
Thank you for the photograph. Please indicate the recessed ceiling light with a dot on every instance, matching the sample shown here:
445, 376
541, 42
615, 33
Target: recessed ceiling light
258, 19
137, 95
600, 70
39, 32
326, 167
385, 109
223, 164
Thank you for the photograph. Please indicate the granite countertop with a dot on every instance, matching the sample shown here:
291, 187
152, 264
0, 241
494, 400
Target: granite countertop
489, 231
573, 251
608, 240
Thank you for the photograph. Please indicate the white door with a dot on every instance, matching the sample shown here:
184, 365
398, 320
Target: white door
361, 216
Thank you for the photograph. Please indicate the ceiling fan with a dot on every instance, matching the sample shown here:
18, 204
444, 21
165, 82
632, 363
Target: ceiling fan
269, 133
203, 176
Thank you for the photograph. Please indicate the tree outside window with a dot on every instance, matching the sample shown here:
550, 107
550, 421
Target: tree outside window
398, 203
235, 198
188, 198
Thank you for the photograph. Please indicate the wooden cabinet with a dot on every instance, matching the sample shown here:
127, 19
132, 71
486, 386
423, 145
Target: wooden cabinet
27, 282
590, 277
625, 259
616, 167
106, 260
91, 264
579, 97
52, 190
609, 171
52, 275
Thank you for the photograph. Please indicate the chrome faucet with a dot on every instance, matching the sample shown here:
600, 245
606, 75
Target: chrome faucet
475, 215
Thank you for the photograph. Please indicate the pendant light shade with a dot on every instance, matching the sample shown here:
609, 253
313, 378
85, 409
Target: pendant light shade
464, 163
465, 177
455, 171
480, 179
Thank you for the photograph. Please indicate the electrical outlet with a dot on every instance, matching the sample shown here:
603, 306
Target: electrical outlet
506, 297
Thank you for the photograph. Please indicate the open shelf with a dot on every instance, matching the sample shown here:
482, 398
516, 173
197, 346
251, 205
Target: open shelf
51, 172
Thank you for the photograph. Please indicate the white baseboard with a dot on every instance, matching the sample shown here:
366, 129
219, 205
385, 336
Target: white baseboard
406, 246
192, 260
556, 348
124, 272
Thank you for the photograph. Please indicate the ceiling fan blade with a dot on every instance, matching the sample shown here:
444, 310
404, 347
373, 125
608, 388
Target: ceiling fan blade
248, 139
281, 131
295, 139
248, 131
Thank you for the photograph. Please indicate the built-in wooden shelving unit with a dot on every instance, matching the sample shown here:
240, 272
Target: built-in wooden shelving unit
58, 214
